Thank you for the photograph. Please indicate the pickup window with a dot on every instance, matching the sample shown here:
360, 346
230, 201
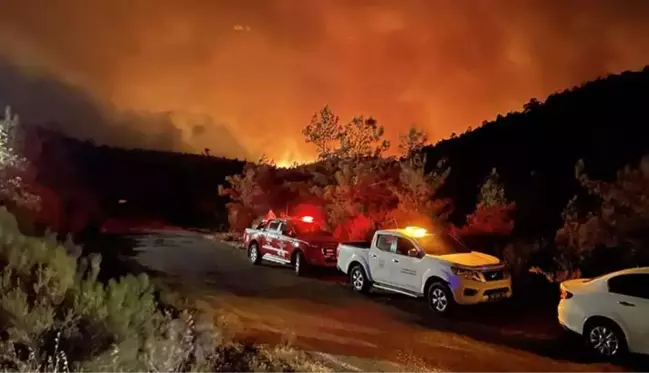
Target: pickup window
287, 230
273, 226
384, 242
404, 245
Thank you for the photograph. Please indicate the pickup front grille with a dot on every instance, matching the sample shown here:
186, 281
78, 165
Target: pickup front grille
494, 275
495, 291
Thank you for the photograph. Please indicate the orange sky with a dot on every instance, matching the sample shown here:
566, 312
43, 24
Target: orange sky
242, 77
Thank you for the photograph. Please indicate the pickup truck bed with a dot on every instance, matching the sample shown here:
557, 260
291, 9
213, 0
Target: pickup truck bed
358, 244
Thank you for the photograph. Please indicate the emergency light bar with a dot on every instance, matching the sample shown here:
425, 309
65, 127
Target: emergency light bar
416, 231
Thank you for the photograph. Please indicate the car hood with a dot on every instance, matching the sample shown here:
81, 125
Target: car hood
318, 240
472, 259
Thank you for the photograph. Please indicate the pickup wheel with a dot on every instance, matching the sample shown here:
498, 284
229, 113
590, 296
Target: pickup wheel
440, 298
358, 279
253, 254
300, 265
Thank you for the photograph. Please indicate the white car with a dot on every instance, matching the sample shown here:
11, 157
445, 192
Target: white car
420, 264
611, 312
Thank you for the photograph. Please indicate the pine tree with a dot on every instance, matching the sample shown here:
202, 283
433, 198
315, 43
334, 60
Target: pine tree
13, 165
618, 221
359, 138
493, 214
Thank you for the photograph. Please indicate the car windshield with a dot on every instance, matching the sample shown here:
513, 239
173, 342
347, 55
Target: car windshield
311, 229
441, 244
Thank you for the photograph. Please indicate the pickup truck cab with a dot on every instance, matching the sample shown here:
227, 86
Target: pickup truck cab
301, 243
420, 264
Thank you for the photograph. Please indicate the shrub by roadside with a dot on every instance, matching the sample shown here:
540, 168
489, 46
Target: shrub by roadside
56, 316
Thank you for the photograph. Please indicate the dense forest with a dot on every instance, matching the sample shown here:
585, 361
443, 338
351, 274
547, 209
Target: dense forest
605, 123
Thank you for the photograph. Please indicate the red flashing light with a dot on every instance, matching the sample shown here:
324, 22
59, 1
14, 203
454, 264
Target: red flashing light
307, 219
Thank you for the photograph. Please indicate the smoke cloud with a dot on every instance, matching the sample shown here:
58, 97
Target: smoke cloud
253, 72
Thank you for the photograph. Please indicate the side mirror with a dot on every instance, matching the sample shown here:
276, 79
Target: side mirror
414, 253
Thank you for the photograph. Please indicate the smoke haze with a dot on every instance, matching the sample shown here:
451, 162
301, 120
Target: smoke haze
242, 77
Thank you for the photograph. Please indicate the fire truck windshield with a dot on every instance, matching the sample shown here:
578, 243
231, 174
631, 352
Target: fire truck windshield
312, 229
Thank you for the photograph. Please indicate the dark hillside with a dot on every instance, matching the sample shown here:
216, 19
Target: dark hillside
604, 122
176, 188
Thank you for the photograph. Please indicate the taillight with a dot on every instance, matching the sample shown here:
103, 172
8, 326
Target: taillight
565, 294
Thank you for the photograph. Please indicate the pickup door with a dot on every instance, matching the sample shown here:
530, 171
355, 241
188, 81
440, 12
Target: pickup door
283, 242
391, 265
270, 244
381, 256
406, 270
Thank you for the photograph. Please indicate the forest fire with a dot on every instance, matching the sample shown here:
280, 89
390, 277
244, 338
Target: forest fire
194, 141
275, 67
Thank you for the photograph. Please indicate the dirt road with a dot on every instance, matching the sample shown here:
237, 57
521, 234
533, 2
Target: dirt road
378, 332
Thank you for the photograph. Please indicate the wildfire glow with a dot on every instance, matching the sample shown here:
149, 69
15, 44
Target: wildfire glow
285, 164
249, 78
291, 154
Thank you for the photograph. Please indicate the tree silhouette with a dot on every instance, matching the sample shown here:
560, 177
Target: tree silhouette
360, 137
13, 165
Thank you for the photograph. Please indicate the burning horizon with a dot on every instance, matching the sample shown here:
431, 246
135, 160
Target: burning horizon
243, 77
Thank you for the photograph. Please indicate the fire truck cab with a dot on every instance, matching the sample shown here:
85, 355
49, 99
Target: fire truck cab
298, 242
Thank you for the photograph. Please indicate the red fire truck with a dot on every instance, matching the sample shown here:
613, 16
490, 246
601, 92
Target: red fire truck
298, 242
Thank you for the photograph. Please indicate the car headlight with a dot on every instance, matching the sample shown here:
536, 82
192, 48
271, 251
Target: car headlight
467, 274
300, 244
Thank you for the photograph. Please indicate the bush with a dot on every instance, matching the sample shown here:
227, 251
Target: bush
606, 230
56, 316
13, 165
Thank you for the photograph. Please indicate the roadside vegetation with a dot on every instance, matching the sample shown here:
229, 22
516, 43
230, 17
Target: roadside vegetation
57, 316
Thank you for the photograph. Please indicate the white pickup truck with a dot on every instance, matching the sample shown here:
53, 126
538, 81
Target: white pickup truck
420, 264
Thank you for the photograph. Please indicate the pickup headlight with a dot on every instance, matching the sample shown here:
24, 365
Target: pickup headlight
467, 274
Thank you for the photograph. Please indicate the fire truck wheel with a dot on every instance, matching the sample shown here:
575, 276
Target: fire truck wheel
253, 254
300, 264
